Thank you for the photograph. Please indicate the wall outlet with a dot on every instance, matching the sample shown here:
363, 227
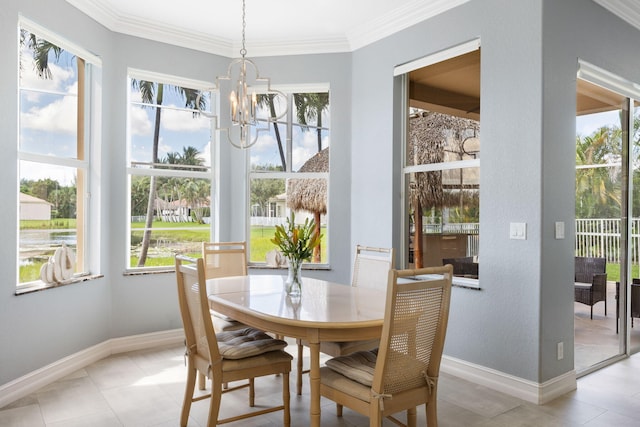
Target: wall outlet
560, 350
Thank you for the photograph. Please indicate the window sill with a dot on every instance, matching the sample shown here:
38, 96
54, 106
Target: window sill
41, 286
145, 272
323, 267
466, 283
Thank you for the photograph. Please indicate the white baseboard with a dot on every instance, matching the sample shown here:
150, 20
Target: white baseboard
496, 380
538, 393
33, 381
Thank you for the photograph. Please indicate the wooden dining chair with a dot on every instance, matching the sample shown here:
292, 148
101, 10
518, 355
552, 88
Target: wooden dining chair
225, 356
225, 259
370, 270
403, 372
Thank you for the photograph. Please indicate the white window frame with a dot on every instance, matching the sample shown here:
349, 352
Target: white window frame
403, 70
89, 165
289, 90
210, 175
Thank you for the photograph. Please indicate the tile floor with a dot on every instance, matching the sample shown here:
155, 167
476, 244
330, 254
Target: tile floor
596, 339
145, 388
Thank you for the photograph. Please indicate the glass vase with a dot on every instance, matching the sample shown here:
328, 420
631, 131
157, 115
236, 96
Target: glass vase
293, 284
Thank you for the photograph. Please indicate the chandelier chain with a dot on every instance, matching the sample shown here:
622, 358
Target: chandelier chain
243, 51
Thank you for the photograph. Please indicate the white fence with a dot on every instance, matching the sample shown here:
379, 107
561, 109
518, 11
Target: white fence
594, 237
601, 238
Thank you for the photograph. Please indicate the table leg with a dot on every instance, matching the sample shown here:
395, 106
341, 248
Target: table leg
314, 383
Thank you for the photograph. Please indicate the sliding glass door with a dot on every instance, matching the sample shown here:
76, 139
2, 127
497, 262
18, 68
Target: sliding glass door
607, 217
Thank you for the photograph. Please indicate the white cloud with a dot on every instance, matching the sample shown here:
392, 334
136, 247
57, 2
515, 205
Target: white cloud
181, 121
30, 79
139, 121
59, 116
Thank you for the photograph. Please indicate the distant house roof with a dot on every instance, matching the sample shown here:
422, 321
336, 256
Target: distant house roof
26, 198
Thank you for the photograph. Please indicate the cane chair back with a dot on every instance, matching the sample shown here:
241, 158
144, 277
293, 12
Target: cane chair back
370, 270
407, 364
371, 267
224, 259
247, 353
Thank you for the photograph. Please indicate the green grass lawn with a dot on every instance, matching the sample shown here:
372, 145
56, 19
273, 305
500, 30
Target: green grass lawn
613, 272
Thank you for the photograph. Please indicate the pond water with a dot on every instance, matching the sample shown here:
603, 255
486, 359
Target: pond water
38, 245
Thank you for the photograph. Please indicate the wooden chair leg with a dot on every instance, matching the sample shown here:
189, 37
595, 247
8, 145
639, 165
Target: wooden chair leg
432, 414
214, 404
252, 393
286, 398
202, 381
188, 396
338, 409
412, 418
299, 369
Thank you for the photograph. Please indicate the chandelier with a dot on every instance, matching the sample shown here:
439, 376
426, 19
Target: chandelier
245, 88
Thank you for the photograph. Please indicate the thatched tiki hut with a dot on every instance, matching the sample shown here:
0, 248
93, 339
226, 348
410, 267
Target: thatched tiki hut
434, 138
310, 194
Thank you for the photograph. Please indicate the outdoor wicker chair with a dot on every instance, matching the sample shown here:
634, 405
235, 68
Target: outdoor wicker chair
591, 281
594, 293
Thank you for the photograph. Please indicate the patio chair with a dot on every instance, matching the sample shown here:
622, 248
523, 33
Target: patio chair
225, 356
370, 270
403, 372
594, 293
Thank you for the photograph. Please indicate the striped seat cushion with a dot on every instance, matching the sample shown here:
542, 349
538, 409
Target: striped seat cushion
358, 366
246, 342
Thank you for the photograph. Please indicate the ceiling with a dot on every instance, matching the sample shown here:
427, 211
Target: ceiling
279, 27
285, 27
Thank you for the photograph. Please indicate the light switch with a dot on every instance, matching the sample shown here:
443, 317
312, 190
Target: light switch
559, 230
518, 230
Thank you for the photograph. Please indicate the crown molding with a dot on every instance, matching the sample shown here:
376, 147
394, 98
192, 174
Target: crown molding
401, 18
627, 10
408, 14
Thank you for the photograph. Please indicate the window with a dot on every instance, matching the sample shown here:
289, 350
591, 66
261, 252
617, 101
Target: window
169, 168
442, 164
58, 83
289, 169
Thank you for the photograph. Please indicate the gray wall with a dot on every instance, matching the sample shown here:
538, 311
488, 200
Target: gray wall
529, 54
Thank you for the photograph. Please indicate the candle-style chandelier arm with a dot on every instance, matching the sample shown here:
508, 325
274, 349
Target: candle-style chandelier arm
245, 86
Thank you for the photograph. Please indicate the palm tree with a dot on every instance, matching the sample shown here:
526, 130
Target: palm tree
310, 107
41, 49
597, 185
153, 93
268, 101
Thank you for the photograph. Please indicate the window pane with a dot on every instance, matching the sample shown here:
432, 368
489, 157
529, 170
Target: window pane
441, 138
271, 205
182, 138
450, 228
166, 243
307, 142
270, 151
181, 217
48, 124
48, 211
298, 142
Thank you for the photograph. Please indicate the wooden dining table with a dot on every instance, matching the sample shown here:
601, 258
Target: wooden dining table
325, 311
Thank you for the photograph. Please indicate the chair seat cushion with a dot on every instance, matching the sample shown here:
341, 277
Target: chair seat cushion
334, 380
358, 366
223, 325
336, 348
246, 342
